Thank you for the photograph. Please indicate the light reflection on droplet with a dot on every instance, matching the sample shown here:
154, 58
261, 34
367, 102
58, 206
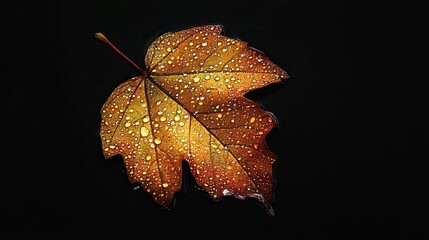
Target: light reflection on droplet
144, 131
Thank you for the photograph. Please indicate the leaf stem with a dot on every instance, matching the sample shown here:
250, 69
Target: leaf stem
103, 38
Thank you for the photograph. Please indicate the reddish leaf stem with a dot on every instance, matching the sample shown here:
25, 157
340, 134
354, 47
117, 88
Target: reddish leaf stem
103, 38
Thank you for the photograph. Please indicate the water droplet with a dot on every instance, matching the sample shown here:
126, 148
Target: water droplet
127, 124
165, 185
181, 124
146, 119
196, 79
204, 44
148, 157
157, 140
219, 115
252, 119
162, 119
191, 43
112, 146
144, 131
152, 145
106, 149
177, 118
169, 49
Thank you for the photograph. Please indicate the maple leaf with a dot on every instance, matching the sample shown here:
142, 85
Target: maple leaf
189, 105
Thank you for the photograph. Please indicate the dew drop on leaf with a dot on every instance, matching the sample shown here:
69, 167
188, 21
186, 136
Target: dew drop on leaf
144, 131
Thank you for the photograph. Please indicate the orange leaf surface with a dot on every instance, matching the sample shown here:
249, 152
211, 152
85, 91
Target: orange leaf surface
189, 105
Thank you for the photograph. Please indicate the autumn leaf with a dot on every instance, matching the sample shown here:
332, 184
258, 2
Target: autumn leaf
189, 105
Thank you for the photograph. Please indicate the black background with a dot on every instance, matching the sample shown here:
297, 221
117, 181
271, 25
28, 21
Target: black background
351, 139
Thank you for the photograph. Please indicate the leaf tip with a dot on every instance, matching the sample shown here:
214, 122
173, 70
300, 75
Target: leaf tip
284, 75
271, 211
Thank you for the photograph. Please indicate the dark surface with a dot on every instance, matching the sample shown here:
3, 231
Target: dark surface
351, 140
